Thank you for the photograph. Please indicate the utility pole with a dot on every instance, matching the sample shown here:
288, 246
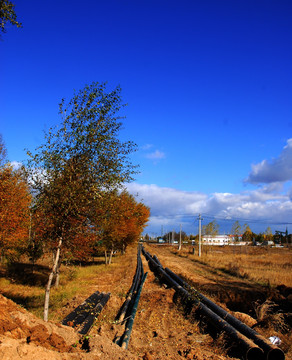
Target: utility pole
200, 223
179, 246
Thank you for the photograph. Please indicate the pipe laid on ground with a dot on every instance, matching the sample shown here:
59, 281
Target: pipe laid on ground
129, 325
79, 314
133, 289
155, 258
86, 313
89, 321
136, 285
271, 351
139, 254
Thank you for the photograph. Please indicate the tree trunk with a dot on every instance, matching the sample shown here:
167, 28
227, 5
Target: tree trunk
51, 276
57, 280
111, 255
123, 249
105, 255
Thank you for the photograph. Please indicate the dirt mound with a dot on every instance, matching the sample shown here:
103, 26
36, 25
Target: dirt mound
24, 336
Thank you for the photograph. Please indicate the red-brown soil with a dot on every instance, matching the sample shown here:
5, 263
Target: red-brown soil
161, 329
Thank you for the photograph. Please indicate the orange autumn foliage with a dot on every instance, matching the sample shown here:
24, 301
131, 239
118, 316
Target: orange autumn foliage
120, 220
15, 201
79, 238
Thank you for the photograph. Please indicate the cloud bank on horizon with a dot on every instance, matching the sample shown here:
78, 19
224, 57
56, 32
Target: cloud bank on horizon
270, 202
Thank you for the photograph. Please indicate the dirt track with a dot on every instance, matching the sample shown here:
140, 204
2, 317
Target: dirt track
161, 331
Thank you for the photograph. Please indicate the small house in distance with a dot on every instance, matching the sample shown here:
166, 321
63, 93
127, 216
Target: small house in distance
221, 240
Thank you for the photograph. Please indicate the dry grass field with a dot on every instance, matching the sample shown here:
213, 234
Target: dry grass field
265, 265
26, 286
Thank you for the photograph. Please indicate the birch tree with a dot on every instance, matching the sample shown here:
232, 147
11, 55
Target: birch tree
81, 157
212, 228
7, 15
236, 230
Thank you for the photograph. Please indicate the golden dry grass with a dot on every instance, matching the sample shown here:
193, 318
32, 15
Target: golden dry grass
268, 266
28, 289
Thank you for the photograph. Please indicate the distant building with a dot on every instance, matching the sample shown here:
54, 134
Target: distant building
215, 239
220, 240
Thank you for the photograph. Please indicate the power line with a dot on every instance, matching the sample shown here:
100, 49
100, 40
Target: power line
221, 218
261, 221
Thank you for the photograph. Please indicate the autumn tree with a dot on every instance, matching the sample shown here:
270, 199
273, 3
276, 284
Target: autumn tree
15, 203
42, 234
77, 161
212, 228
269, 234
260, 238
236, 230
134, 219
119, 220
146, 238
264, 237
248, 235
7, 15
35, 247
3, 152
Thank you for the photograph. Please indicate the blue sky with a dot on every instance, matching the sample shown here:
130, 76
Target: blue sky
209, 94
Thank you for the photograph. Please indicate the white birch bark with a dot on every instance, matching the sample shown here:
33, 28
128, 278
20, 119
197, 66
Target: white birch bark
51, 276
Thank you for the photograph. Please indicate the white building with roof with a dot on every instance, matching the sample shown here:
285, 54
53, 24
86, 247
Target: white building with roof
219, 239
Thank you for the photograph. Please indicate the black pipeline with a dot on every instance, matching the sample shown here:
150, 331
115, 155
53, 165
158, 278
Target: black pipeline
85, 314
134, 288
129, 308
124, 341
271, 351
250, 349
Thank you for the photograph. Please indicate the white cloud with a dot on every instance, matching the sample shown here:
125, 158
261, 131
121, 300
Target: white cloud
165, 201
270, 203
146, 146
277, 170
171, 207
16, 165
156, 155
